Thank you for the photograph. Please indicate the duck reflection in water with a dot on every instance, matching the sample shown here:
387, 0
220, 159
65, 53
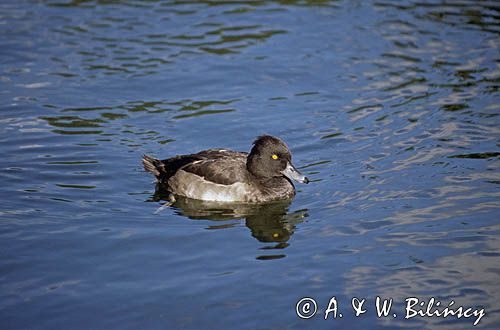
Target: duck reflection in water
268, 222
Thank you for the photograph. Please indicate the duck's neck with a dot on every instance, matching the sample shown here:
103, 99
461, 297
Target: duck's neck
277, 187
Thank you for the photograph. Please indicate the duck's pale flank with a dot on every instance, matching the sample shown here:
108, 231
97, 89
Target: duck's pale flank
223, 175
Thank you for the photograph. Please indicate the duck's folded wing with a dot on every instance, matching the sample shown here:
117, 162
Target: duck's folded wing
224, 170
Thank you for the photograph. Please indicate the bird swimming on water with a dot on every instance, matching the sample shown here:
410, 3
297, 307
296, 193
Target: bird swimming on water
222, 175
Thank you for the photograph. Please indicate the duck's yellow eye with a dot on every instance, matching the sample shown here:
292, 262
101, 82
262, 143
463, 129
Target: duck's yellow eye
274, 157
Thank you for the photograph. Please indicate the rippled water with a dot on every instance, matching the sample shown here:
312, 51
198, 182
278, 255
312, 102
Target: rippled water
390, 107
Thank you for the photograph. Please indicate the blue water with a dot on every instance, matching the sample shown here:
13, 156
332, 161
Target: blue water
391, 108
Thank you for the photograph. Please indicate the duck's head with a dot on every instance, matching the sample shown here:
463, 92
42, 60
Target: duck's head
270, 157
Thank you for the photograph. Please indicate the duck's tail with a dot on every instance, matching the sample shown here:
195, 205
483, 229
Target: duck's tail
154, 166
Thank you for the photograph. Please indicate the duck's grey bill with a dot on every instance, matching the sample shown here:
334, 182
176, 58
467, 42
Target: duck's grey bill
293, 174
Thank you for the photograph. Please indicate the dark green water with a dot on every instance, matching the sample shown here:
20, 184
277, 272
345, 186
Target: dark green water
390, 107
